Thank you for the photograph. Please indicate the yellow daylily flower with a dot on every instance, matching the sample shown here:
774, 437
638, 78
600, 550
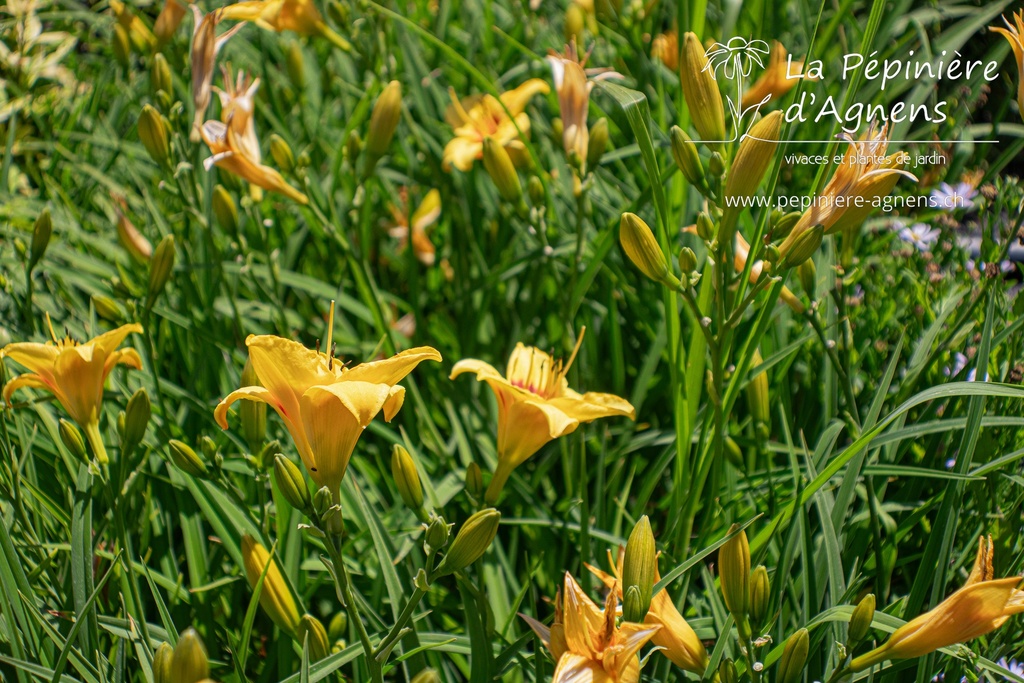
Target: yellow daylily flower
586, 643
1014, 34
481, 116
324, 404
983, 604
205, 46
414, 229
773, 83
536, 405
300, 16
276, 597
573, 84
239, 154
865, 175
74, 373
676, 638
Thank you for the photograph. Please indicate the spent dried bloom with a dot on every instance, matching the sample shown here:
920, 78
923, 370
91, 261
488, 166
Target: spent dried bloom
205, 46
573, 83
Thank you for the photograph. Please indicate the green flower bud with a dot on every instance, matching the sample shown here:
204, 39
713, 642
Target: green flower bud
72, 439
808, 274
598, 140
186, 459
575, 20
160, 268
643, 250
757, 393
684, 152
314, 635
687, 261
322, 501
353, 146
281, 153
189, 663
716, 166
471, 542
727, 672
160, 75
291, 483
407, 479
860, 622
387, 112
162, 663
295, 64
438, 533
121, 45
760, 595
638, 569
502, 171
798, 248
153, 135
338, 626
225, 210
252, 414
794, 656
535, 188
784, 225
107, 308
136, 419
474, 481
734, 572
705, 226
700, 89
41, 232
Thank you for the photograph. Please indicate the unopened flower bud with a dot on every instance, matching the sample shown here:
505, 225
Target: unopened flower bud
535, 188
598, 141
153, 134
189, 662
162, 663
808, 274
338, 625
275, 596
438, 533
716, 166
387, 112
700, 89
727, 672
785, 224
107, 308
687, 261
407, 479
121, 45
281, 153
474, 481
860, 622
502, 171
41, 232
252, 414
160, 75
760, 595
224, 209
72, 439
754, 156
684, 152
186, 459
137, 246
311, 632
757, 393
643, 250
295, 64
640, 564
291, 483
575, 20
705, 226
136, 419
794, 656
799, 247
353, 146
472, 541
160, 267
734, 572
322, 501
429, 675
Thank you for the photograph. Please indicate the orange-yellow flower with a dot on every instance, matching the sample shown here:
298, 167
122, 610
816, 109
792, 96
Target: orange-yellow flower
74, 373
325, 405
536, 405
665, 47
983, 604
1014, 34
480, 116
773, 83
586, 643
300, 16
414, 229
168, 21
678, 640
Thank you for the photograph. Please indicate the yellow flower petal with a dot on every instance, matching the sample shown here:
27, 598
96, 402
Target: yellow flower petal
394, 369
461, 152
517, 99
25, 380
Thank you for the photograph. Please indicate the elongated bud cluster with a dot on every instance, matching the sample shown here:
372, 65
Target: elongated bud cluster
136, 419
160, 268
189, 662
186, 459
313, 634
407, 479
799, 247
153, 135
734, 573
252, 414
760, 595
41, 231
684, 151
639, 567
643, 250
162, 663
794, 656
598, 141
291, 484
471, 542
701, 92
860, 622
72, 439
387, 111
275, 595
502, 171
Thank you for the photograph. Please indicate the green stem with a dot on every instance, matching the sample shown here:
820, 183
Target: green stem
344, 588
383, 647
